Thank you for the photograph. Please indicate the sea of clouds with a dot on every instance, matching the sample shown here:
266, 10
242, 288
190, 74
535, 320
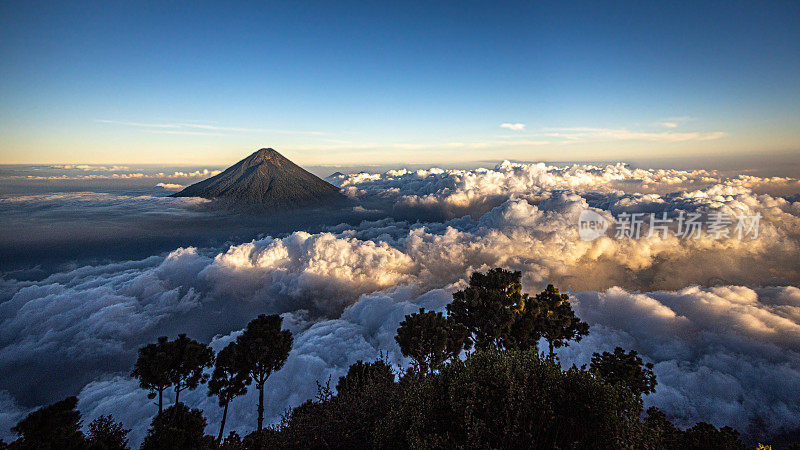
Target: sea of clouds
719, 318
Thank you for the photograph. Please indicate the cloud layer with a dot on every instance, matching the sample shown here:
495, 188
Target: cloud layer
719, 318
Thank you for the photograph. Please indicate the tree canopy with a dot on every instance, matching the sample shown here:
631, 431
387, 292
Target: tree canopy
263, 348
430, 339
57, 426
626, 369
227, 381
189, 359
105, 434
557, 321
486, 306
153, 369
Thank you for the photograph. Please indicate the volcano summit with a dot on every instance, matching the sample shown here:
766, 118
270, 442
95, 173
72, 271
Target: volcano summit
266, 179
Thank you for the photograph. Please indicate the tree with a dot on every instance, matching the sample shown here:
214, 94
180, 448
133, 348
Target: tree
361, 374
178, 427
704, 435
232, 442
660, 433
57, 426
177, 363
105, 434
264, 348
430, 339
189, 359
511, 399
626, 369
486, 307
153, 368
227, 381
526, 329
557, 320
347, 419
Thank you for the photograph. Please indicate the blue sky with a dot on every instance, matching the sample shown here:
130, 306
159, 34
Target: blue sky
376, 82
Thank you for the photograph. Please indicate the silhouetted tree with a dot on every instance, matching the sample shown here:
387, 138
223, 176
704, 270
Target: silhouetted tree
660, 433
626, 369
361, 374
557, 320
705, 436
263, 348
153, 369
486, 307
526, 329
227, 381
189, 359
178, 427
232, 442
511, 399
430, 339
177, 363
105, 434
57, 426
347, 419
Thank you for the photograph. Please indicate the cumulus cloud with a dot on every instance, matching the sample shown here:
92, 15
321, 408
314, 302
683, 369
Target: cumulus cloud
513, 126
726, 355
170, 186
719, 318
450, 193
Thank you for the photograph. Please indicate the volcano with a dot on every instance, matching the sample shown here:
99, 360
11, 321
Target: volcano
266, 179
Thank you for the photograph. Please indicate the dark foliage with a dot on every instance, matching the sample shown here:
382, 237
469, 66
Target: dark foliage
557, 321
57, 426
626, 369
345, 420
152, 368
105, 434
178, 427
486, 307
507, 399
177, 363
704, 436
227, 381
660, 432
189, 358
362, 375
232, 442
430, 339
497, 314
263, 348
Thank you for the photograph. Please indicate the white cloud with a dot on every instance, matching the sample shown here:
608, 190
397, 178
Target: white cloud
170, 186
513, 126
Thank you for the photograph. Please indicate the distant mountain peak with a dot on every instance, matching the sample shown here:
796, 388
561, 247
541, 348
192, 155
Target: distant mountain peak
268, 179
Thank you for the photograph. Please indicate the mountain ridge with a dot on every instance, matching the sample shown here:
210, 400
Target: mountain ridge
267, 179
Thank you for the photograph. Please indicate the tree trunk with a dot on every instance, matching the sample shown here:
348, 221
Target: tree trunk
177, 395
260, 406
222, 425
551, 349
160, 399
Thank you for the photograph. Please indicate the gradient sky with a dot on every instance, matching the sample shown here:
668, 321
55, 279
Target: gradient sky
198, 82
